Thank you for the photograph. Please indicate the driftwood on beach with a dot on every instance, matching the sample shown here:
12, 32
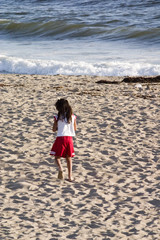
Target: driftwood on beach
133, 80
142, 79
107, 82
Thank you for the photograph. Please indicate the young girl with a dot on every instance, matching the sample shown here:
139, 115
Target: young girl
65, 125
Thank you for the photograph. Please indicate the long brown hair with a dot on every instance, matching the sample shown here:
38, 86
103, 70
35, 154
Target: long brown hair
64, 110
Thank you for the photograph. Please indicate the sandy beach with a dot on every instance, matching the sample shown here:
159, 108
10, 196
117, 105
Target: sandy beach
116, 191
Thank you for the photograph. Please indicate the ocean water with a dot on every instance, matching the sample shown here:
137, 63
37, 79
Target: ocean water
93, 37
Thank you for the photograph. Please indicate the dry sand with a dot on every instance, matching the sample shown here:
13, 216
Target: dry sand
116, 192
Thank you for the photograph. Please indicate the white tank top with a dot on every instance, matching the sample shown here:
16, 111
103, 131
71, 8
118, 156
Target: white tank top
65, 128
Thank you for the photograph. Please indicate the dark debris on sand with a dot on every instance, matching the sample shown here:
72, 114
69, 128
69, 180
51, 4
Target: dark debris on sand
142, 79
155, 79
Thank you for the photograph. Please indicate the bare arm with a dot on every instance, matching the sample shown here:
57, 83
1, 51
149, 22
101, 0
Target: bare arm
55, 127
75, 125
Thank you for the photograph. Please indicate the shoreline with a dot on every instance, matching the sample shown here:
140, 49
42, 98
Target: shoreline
118, 79
115, 193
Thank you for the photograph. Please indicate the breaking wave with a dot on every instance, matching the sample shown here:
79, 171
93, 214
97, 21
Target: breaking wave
51, 67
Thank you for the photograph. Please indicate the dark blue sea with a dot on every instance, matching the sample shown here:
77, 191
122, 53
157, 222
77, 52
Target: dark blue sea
84, 37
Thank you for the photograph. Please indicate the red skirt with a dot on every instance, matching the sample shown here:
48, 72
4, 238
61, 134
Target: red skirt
63, 147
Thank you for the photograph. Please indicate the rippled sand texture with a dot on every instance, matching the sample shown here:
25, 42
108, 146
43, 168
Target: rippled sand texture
116, 192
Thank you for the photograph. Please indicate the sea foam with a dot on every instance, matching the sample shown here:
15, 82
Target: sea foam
51, 67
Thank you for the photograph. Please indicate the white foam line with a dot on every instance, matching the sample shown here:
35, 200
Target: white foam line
51, 67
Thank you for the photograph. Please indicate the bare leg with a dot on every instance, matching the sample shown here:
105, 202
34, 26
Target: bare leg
69, 166
58, 162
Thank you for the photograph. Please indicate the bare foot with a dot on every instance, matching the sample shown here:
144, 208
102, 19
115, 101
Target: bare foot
60, 175
70, 179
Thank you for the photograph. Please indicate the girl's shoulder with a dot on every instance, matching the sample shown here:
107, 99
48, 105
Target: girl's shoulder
55, 117
74, 116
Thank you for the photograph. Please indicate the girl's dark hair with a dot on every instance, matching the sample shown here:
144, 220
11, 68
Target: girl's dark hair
64, 110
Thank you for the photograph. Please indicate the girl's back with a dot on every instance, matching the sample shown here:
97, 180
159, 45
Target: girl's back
65, 128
